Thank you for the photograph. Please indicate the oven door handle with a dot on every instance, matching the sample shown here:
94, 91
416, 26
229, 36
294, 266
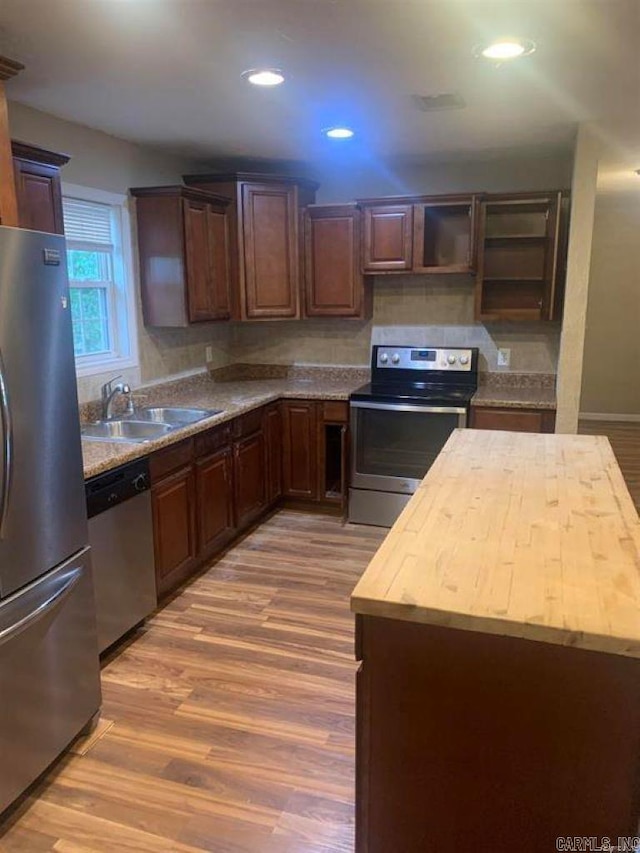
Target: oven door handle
407, 407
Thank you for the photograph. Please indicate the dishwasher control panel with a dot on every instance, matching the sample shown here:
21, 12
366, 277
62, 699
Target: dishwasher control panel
114, 487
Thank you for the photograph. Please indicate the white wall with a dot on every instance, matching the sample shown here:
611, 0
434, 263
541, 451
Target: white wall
610, 381
583, 194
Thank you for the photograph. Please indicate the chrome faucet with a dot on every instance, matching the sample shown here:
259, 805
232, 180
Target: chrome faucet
109, 391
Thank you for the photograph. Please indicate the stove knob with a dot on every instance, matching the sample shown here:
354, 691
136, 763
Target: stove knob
395, 358
464, 359
384, 358
451, 359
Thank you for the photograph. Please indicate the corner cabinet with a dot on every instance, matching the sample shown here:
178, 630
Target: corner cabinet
39, 195
334, 284
521, 257
183, 241
266, 244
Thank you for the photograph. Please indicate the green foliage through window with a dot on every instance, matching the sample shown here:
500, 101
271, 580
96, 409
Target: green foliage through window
89, 320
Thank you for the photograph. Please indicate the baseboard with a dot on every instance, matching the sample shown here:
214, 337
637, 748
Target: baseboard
608, 416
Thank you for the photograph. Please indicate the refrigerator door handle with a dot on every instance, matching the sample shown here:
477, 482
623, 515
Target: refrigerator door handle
7, 448
68, 582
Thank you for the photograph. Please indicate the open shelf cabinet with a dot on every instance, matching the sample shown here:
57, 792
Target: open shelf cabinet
519, 273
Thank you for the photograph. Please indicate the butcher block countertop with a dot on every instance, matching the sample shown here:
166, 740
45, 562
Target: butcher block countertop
516, 534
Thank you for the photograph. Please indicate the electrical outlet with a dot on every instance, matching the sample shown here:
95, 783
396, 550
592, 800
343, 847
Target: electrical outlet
504, 357
208, 354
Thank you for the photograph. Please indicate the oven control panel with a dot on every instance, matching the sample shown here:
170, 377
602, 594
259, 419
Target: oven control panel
424, 358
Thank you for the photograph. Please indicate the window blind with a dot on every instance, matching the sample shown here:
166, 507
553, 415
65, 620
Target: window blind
87, 221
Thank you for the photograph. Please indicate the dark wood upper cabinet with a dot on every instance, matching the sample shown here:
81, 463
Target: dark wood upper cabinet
387, 236
445, 234
183, 241
334, 284
265, 240
521, 257
300, 449
38, 190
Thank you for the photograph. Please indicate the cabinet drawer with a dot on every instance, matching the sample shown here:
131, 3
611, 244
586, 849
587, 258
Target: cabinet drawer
170, 459
211, 440
336, 411
514, 420
246, 424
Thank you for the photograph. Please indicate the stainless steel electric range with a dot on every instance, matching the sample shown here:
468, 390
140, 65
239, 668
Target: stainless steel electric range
401, 420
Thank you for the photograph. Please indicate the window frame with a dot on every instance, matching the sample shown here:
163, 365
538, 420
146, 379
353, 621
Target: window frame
121, 301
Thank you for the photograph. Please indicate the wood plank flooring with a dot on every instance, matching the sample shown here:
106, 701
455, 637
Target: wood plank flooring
232, 712
625, 441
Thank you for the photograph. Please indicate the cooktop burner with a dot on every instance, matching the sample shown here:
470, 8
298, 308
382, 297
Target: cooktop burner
436, 394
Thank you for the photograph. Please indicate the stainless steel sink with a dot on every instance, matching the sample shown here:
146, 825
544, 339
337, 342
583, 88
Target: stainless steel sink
175, 416
125, 430
146, 424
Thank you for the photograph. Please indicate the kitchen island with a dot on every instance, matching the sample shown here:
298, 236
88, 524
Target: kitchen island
499, 632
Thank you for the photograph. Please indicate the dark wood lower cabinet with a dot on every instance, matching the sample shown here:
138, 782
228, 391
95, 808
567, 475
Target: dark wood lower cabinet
468, 740
273, 444
249, 478
207, 488
513, 420
174, 526
300, 450
214, 495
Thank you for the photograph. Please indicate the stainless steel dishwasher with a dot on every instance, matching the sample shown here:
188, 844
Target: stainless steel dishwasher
121, 539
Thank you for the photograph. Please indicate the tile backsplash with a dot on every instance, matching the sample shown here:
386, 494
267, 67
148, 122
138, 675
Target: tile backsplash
434, 310
422, 310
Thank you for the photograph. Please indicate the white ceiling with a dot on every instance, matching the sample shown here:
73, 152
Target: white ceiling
167, 72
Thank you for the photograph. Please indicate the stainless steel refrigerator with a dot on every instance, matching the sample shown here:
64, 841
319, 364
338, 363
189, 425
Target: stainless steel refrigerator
49, 669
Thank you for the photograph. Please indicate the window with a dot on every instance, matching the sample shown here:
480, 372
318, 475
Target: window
96, 226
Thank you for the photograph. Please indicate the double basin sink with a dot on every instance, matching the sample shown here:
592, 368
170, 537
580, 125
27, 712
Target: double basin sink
146, 424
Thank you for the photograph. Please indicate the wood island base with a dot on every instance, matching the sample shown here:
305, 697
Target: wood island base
471, 741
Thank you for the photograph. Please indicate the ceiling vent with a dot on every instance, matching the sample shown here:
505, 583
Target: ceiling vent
444, 101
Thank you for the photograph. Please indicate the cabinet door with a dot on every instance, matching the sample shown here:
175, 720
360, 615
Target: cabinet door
218, 227
214, 492
513, 420
39, 196
196, 234
334, 284
249, 478
270, 230
300, 456
388, 237
273, 434
174, 532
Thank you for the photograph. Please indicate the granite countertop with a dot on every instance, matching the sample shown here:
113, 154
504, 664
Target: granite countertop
233, 397
239, 388
515, 397
541, 542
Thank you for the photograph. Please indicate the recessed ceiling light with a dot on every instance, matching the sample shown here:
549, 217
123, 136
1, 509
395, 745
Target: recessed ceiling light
338, 132
264, 76
506, 48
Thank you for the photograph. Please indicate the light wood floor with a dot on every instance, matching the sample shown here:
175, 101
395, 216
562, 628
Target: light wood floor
233, 713
625, 441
